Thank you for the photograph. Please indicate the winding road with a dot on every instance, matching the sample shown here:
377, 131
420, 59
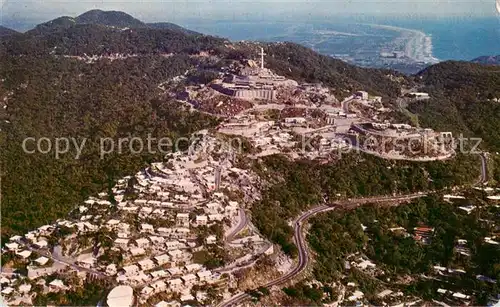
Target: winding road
299, 240
241, 225
57, 258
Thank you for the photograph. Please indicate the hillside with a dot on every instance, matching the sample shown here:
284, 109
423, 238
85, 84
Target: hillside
90, 39
171, 26
51, 93
301, 63
5, 32
464, 100
492, 60
98, 122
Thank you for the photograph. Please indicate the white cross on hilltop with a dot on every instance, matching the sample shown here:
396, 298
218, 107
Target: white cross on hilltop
262, 54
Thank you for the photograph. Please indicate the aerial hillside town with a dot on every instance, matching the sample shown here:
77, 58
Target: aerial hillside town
277, 114
177, 233
172, 232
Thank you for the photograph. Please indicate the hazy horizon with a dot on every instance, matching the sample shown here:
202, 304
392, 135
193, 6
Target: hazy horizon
24, 14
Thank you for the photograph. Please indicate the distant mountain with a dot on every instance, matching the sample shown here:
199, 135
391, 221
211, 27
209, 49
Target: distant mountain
4, 32
110, 18
104, 32
93, 17
113, 19
63, 22
171, 26
492, 60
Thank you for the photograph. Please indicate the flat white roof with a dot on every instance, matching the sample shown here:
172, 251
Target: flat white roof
146, 262
188, 277
176, 281
42, 260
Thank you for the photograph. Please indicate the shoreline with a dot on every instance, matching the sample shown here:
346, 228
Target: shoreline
417, 44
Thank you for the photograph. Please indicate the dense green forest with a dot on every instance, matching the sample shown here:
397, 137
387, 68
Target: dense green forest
67, 98
462, 100
336, 234
298, 185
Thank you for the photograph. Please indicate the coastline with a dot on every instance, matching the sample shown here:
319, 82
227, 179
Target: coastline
416, 44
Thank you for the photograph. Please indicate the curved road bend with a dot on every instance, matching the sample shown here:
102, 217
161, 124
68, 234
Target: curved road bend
242, 224
302, 245
75, 267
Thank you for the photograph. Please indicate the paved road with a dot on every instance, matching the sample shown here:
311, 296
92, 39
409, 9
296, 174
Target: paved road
302, 245
56, 258
484, 167
242, 224
349, 204
345, 103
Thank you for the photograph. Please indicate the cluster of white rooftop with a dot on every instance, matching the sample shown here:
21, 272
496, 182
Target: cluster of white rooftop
155, 258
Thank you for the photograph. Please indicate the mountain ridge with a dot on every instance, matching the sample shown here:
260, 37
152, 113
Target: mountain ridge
113, 19
171, 26
487, 59
5, 32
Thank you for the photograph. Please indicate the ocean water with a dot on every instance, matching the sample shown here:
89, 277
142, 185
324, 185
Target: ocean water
459, 38
452, 38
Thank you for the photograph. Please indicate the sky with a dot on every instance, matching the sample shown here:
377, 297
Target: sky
24, 12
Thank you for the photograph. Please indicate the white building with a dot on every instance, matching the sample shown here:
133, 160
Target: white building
168, 304
295, 120
158, 274
24, 254
176, 254
142, 242
147, 264
25, 288
162, 259
215, 217
201, 220
204, 276
171, 245
180, 232
147, 291
146, 210
130, 270
193, 267
111, 269
189, 279
419, 95
159, 286
137, 251
175, 284
362, 95
42, 260
121, 242
147, 228
211, 239
12, 246
164, 231
41, 244
57, 285
157, 240
174, 271
113, 222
